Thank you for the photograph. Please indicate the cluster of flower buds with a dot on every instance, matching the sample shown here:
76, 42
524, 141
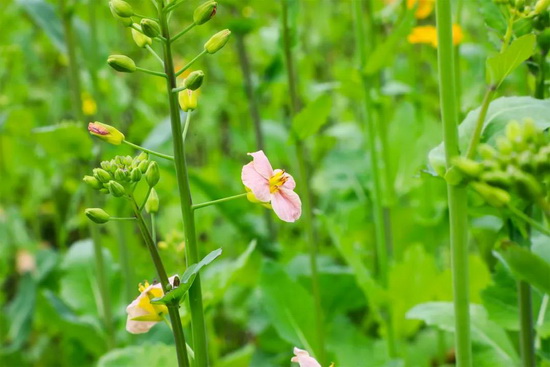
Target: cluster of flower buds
118, 176
523, 8
520, 164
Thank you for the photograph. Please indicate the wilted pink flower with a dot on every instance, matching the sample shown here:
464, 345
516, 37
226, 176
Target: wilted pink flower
142, 314
304, 359
275, 186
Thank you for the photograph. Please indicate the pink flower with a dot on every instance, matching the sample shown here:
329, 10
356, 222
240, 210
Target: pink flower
304, 359
275, 186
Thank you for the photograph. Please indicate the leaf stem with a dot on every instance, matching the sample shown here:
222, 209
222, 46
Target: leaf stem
456, 195
188, 65
178, 35
476, 136
150, 49
218, 201
165, 156
151, 72
533, 223
186, 127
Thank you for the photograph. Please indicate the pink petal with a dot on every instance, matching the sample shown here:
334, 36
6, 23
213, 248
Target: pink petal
290, 183
134, 326
304, 359
261, 164
256, 182
286, 204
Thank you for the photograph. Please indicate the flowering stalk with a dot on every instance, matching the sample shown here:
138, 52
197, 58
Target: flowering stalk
456, 195
195, 294
307, 197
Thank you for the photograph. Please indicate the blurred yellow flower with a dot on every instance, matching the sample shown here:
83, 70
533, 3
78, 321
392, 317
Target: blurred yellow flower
424, 9
428, 34
89, 107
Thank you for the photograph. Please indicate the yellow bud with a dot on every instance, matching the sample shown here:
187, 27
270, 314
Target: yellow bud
106, 133
217, 41
188, 100
140, 39
152, 203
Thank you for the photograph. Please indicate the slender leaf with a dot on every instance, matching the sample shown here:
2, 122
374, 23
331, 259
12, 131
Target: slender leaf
526, 266
501, 65
309, 120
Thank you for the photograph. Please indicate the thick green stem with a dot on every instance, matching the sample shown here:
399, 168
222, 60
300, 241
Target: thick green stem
195, 294
307, 197
456, 195
175, 319
527, 334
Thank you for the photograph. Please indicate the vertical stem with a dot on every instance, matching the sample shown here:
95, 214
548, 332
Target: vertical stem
173, 307
456, 195
307, 198
527, 334
76, 93
198, 326
540, 87
124, 257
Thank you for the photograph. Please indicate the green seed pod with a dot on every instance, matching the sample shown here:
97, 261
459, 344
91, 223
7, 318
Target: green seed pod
121, 63
152, 203
150, 27
135, 175
116, 189
194, 80
143, 166
203, 13
493, 195
102, 175
97, 215
92, 182
140, 39
217, 41
121, 8
152, 176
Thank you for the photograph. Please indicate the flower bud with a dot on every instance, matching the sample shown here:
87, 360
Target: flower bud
468, 166
120, 175
140, 39
188, 100
107, 166
152, 203
125, 21
203, 13
194, 80
116, 189
143, 156
541, 6
150, 27
102, 175
493, 195
92, 182
217, 41
527, 185
152, 176
97, 215
143, 166
135, 175
496, 178
128, 160
106, 133
504, 146
121, 63
121, 8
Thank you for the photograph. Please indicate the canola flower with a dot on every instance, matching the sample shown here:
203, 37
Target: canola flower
428, 34
303, 358
424, 8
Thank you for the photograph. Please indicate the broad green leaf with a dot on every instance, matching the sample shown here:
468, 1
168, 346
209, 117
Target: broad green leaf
44, 14
142, 355
484, 331
502, 64
493, 17
501, 111
526, 266
501, 300
310, 119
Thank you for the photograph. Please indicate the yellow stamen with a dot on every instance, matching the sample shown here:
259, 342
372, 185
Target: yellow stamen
276, 181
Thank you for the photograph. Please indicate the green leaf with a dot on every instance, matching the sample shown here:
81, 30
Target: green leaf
526, 266
67, 140
44, 15
146, 354
502, 64
20, 313
500, 112
493, 17
187, 279
310, 119
484, 331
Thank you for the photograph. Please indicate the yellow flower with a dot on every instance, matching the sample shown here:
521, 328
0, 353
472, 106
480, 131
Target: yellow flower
424, 9
428, 34
89, 107
106, 133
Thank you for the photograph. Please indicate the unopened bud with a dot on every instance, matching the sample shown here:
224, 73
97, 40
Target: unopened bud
150, 27
496, 178
121, 8
513, 131
152, 176
116, 189
97, 215
143, 166
194, 80
142, 156
152, 203
504, 146
120, 175
217, 41
493, 195
135, 175
188, 100
527, 185
106, 133
468, 166
102, 175
203, 13
92, 182
541, 6
486, 151
140, 39
125, 21
121, 63
107, 166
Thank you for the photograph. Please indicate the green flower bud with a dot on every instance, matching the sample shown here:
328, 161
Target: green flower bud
143, 166
142, 156
121, 8
102, 175
150, 27
128, 160
527, 185
188, 100
152, 203
486, 151
496, 178
107, 166
125, 21
92, 182
106, 133
203, 13
504, 145
468, 166
116, 189
152, 176
140, 39
121, 63
513, 131
541, 6
217, 41
120, 175
453, 176
104, 191
97, 215
135, 175
493, 195
194, 80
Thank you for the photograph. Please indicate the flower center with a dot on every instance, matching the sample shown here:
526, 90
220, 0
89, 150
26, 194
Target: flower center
277, 180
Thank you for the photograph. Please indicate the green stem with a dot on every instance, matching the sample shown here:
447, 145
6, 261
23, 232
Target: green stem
145, 199
186, 127
124, 257
213, 202
153, 228
540, 317
178, 89
540, 90
165, 156
476, 136
195, 294
178, 35
307, 198
527, 334
151, 72
150, 49
177, 329
518, 213
456, 195
190, 63
120, 219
